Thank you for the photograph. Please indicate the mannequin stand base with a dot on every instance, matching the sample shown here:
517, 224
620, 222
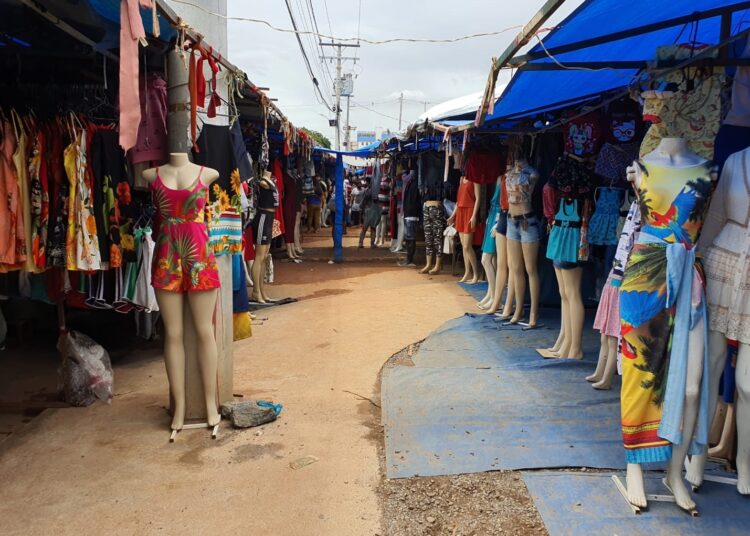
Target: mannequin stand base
546, 353
649, 497
196, 426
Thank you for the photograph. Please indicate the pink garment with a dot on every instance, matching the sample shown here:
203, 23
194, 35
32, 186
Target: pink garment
151, 144
607, 320
131, 33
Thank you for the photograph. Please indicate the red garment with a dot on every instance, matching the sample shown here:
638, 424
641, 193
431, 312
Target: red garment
249, 243
484, 168
465, 197
151, 144
551, 201
278, 175
503, 194
289, 206
131, 32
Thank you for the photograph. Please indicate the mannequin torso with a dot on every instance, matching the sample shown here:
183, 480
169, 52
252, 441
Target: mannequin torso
180, 173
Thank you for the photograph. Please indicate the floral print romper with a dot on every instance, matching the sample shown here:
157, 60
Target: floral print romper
183, 260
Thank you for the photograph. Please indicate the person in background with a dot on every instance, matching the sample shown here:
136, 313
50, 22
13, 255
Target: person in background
347, 203
358, 191
370, 217
313, 206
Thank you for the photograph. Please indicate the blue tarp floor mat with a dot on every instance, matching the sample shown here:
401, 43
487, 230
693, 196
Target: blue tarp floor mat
573, 503
480, 398
477, 291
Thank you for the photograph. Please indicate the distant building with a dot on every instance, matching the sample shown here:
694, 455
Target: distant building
368, 137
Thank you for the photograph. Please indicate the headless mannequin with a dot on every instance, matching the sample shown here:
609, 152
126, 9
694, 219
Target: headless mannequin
180, 174
258, 273
471, 274
607, 364
437, 259
674, 152
522, 257
725, 228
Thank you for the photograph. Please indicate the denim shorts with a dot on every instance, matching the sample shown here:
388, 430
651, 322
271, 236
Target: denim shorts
564, 265
531, 232
502, 223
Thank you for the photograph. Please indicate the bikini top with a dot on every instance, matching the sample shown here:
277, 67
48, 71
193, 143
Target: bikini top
519, 185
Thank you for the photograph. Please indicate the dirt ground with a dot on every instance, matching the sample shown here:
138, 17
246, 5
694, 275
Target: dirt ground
111, 469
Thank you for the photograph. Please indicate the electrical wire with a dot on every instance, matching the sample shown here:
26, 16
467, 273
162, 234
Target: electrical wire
359, 105
306, 59
354, 39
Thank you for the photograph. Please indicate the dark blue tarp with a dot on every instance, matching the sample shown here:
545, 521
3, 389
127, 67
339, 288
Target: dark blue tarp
533, 91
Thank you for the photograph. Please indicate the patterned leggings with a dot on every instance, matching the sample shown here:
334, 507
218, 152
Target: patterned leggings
434, 225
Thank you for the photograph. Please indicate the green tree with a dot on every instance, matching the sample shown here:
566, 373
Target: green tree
320, 139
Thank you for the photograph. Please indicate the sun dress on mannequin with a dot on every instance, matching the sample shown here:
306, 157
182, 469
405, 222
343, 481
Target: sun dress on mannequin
661, 299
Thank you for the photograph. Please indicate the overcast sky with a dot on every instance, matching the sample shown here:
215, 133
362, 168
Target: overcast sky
422, 71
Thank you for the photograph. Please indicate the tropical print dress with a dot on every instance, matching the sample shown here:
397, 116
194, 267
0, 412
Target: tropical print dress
673, 203
183, 259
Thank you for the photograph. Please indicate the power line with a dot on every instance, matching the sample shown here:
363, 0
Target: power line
355, 39
304, 56
330, 28
359, 105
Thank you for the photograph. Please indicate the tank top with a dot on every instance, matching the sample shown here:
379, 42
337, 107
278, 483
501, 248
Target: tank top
268, 198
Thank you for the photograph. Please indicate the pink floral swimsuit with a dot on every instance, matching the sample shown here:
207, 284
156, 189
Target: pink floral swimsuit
183, 260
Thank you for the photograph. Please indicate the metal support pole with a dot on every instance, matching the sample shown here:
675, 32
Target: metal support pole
400, 110
338, 98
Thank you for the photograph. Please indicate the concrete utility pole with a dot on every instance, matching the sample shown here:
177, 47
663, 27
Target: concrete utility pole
337, 83
347, 128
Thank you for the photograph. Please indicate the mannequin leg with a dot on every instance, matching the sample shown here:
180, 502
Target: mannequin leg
501, 273
743, 419
602, 362
470, 259
574, 322
298, 233
379, 233
516, 267
555, 349
609, 371
488, 263
399, 244
202, 305
634, 483
170, 305
438, 264
258, 273
290, 253
248, 272
430, 227
530, 255
362, 233
510, 298
267, 260
717, 356
723, 449
690, 415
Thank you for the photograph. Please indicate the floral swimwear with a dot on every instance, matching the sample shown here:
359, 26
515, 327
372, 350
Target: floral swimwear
183, 260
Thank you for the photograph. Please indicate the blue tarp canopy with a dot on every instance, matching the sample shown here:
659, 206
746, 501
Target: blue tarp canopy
368, 151
604, 44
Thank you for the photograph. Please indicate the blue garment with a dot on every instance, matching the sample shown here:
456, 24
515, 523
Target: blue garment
526, 230
565, 237
488, 245
502, 223
604, 222
680, 271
